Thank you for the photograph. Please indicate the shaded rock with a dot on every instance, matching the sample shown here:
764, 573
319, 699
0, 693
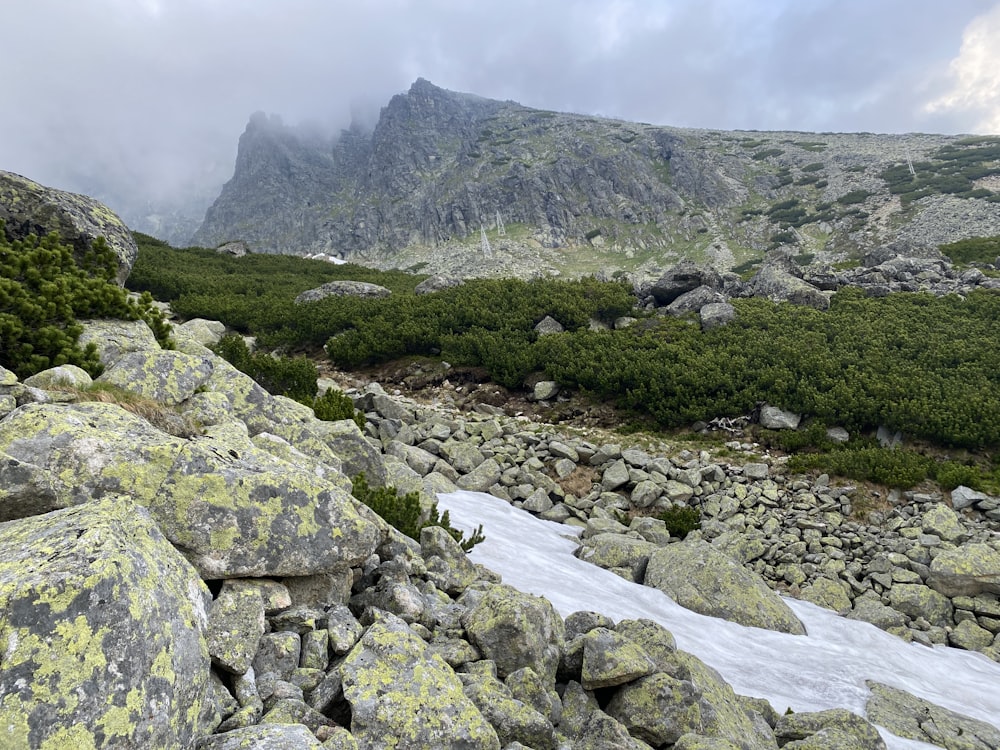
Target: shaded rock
684, 277
589, 727
448, 567
618, 552
695, 300
701, 578
966, 571
406, 697
103, 624
544, 390
29, 208
908, 716
964, 497
657, 709
28, 490
516, 630
343, 289
778, 280
513, 720
235, 625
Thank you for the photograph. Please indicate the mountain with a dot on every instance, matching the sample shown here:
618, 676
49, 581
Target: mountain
571, 193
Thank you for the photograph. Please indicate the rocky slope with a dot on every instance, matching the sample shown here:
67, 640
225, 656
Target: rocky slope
577, 194
202, 575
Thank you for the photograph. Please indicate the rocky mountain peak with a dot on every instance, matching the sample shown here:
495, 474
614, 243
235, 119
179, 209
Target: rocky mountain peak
565, 193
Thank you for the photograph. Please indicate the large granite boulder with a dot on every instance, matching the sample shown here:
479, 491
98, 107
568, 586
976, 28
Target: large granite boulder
404, 696
516, 630
29, 208
234, 509
700, 577
165, 376
833, 729
361, 289
102, 622
967, 570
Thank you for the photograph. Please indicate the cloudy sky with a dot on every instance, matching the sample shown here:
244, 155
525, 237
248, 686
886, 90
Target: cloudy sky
147, 98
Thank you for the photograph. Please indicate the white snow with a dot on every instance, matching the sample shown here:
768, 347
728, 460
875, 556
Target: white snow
825, 669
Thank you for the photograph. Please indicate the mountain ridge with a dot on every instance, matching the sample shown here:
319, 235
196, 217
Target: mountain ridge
566, 193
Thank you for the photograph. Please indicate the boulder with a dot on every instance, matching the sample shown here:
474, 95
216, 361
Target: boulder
914, 718
964, 497
64, 375
204, 332
773, 418
236, 248
684, 277
513, 720
263, 737
235, 510
29, 208
701, 578
966, 571
779, 280
406, 697
833, 729
437, 283
916, 600
361, 289
611, 658
103, 624
657, 709
168, 377
619, 553
945, 523
716, 314
589, 727
515, 630
116, 338
695, 300
235, 625
548, 325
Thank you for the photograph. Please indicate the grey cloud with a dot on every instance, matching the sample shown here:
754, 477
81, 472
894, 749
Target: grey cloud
147, 98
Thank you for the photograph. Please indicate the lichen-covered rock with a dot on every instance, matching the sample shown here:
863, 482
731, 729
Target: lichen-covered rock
779, 280
657, 709
406, 697
589, 727
235, 625
916, 600
204, 332
826, 592
263, 737
448, 567
724, 713
516, 630
834, 729
437, 283
966, 571
619, 553
116, 338
234, 510
29, 208
165, 376
684, 277
908, 716
513, 720
102, 622
28, 490
64, 375
945, 523
610, 658
701, 578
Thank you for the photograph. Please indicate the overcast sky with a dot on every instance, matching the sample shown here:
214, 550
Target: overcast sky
149, 97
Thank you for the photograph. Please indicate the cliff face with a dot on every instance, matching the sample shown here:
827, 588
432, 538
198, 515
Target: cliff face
440, 164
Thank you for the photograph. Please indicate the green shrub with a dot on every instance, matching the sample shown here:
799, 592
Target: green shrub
681, 520
335, 405
294, 377
403, 512
45, 291
891, 467
973, 250
951, 474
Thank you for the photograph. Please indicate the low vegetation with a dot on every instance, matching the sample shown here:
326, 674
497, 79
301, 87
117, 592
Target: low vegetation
45, 291
405, 514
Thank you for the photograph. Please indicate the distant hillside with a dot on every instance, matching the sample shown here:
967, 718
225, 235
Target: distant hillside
579, 194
